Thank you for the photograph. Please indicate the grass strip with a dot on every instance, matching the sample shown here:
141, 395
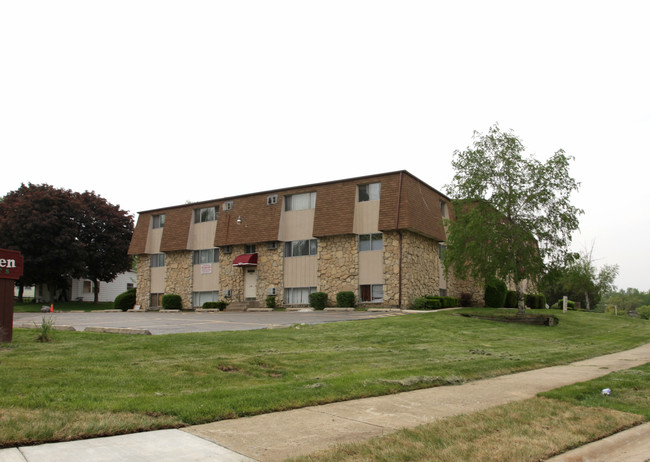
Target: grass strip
198, 378
529, 430
534, 429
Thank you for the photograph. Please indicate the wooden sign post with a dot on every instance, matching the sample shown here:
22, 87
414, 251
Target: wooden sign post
11, 268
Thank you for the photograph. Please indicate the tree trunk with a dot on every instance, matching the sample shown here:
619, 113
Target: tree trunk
521, 302
587, 300
21, 291
96, 291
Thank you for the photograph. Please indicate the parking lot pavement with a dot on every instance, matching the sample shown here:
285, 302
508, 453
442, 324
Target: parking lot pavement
158, 323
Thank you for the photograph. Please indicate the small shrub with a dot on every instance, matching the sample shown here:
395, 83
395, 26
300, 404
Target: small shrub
495, 293
541, 302
531, 301
428, 302
466, 299
125, 301
47, 329
644, 311
318, 300
511, 299
345, 299
172, 302
220, 305
270, 301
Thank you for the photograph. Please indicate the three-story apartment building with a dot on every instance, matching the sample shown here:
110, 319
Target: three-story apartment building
379, 236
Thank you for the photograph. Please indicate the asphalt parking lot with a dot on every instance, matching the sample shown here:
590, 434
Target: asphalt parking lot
158, 323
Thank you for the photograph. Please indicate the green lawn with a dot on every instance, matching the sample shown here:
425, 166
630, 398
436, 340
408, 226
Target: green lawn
63, 306
78, 384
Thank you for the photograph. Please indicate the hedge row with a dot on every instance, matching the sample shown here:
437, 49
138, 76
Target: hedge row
434, 302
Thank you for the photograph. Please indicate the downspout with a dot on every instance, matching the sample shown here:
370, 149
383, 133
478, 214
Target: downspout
399, 232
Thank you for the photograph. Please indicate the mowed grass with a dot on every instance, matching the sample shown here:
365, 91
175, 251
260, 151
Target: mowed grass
63, 306
173, 380
529, 430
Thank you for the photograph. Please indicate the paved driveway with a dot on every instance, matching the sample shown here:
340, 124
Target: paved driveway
178, 322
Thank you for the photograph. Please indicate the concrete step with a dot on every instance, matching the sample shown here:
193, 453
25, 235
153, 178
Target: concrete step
243, 306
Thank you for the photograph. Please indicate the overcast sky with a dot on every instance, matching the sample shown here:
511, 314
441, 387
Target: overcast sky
155, 103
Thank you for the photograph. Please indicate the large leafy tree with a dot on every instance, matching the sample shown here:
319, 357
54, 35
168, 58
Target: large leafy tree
512, 212
105, 232
62, 234
583, 281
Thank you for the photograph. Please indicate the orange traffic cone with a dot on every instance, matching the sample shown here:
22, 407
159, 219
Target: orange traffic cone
52, 308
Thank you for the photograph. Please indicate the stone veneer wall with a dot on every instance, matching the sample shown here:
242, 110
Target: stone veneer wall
391, 269
338, 265
270, 270
178, 275
231, 277
143, 291
420, 268
457, 286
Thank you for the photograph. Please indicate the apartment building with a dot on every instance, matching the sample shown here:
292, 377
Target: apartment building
378, 236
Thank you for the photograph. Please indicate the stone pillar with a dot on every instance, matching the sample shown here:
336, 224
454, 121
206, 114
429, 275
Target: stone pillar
338, 265
178, 275
143, 291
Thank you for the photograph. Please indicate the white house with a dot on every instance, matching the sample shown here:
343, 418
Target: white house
82, 289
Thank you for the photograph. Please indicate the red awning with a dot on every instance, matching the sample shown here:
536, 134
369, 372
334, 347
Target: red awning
249, 259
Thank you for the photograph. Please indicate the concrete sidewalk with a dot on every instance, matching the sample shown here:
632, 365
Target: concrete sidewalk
276, 436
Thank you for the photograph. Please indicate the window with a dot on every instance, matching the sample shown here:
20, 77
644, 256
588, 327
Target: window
369, 192
370, 242
155, 300
158, 260
443, 209
205, 256
88, 287
300, 201
249, 248
227, 206
129, 285
443, 292
298, 295
442, 251
199, 298
206, 214
272, 199
372, 292
159, 221
226, 249
301, 248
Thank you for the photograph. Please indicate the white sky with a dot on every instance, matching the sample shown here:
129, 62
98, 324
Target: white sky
120, 96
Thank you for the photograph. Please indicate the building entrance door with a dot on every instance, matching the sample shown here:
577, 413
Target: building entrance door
250, 283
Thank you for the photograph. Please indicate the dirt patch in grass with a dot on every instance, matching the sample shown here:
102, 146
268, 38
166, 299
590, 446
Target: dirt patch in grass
533, 429
22, 427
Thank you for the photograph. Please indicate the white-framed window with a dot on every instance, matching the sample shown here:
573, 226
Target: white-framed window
444, 210
206, 214
442, 251
249, 248
88, 287
302, 201
369, 192
155, 300
298, 295
199, 298
371, 292
202, 256
370, 242
227, 206
272, 199
157, 260
301, 248
158, 221
225, 249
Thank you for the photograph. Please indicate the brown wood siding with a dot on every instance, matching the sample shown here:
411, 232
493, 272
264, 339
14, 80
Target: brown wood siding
177, 229
334, 213
420, 209
260, 222
140, 233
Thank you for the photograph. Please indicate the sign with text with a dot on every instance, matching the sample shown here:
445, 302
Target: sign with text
11, 264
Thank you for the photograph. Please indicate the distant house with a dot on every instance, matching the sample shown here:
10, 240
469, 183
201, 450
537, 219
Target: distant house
82, 289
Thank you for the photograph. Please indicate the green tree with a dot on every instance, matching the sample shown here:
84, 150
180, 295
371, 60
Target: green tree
63, 234
512, 213
583, 281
